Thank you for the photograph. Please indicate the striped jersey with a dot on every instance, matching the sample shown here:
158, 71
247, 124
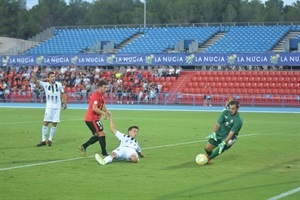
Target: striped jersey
53, 94
128, 141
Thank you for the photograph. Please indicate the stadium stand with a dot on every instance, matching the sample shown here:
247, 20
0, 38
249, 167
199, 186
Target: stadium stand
252, 87
157, 40
249, 39
74, 41
259, 88
237, 39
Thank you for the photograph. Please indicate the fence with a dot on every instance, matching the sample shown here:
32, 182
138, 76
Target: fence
167, 98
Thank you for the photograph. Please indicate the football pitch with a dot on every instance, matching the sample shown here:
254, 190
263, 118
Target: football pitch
263, 164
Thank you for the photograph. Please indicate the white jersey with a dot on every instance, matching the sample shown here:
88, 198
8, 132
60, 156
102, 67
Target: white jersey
127, 141
52, 94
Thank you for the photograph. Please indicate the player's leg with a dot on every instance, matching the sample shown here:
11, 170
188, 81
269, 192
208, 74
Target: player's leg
47, 119
92, 140
131, 155
116, 154
99, 131
227, 146
55, 120
210, 146
102, 142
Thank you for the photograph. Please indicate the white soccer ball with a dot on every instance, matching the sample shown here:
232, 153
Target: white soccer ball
201, 159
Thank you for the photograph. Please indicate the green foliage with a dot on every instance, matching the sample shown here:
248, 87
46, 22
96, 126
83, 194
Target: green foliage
263, 163
17, 21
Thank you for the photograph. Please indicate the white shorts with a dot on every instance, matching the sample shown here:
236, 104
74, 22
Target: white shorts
52, 115
124, 153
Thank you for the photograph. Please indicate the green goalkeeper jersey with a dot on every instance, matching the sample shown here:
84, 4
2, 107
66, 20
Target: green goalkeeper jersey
229, 123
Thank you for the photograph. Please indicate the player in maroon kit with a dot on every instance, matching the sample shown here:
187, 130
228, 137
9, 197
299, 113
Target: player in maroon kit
97, 110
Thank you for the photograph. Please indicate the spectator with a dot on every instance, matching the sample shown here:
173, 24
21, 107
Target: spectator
63, 69
153, 95
140, 96
207, 96
119, 94
35, 90
2, 91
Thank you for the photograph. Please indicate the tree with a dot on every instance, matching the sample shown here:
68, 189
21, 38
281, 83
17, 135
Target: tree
12, 15
274, 10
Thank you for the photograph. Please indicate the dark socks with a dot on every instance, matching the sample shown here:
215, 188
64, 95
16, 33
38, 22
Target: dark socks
91, 141
102, 143
208, 152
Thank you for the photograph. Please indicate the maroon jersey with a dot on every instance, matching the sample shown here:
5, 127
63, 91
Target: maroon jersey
98, 100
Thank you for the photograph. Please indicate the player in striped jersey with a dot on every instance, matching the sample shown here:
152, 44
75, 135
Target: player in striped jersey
129, 148
55, 100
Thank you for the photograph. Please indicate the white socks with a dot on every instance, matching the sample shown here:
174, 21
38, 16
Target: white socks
52, 133
45, 133
108, 159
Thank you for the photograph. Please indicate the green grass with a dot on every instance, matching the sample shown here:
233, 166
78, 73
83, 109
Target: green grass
263, 163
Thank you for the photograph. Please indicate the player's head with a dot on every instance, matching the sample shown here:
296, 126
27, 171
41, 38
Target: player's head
102, 86
133, 131
234, 107
51, 77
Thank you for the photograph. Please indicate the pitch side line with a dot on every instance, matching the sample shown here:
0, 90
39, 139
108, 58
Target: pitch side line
71, 159
285, 194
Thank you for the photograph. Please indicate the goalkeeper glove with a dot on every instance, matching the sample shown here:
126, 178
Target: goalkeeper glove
221, 146
212, 136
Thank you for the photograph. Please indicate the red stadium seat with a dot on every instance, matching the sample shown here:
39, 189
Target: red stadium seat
232, 91
189, 84
259, 84
239, 79
210, 79
238, 90
262, 91
185, 90
194, 79
197, 91
199, 79
191, 90
194, 84
222, 78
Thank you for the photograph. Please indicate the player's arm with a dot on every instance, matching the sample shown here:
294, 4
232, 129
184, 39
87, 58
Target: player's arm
142, 155
235, 129
99, 111
112, 125
64, 100
35, 69
229, 136
108, 113
216, 127
213, 134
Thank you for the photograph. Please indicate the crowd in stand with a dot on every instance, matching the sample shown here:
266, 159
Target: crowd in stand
126, 84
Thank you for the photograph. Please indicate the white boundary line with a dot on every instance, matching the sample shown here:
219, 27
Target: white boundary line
71, 159
151, 107
285, 194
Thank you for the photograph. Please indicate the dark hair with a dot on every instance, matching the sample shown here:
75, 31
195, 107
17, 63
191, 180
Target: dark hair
131, 127
235, 102
101, 83
50, 73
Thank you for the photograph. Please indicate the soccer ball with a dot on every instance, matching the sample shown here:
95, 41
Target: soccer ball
201, 159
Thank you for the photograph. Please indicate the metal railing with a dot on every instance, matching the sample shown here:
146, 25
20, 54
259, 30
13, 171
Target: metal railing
166, 98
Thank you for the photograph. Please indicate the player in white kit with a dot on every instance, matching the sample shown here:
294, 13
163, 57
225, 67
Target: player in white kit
55, 100
128, 149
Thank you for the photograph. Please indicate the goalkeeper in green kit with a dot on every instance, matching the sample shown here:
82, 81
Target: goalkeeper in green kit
225, 132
